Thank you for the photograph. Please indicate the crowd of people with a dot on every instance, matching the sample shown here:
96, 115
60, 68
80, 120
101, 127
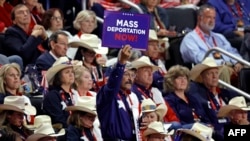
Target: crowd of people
90, 94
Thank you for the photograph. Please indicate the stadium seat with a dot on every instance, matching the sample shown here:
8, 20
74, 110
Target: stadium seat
186, 21
1, 42
182, 18
37, 101
244, 78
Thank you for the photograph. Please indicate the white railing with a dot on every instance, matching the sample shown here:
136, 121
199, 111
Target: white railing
132, 5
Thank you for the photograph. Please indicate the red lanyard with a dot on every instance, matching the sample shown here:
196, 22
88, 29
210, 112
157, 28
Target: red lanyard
130, 101
79, 34
239, 11
212, 103
144, 94
198, 31
195, 116
64, 98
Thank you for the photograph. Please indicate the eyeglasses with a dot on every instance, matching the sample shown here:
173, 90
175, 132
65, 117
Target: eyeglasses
63, 44
126, 74
57, 18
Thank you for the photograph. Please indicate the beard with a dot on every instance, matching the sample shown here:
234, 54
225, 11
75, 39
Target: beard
207, 27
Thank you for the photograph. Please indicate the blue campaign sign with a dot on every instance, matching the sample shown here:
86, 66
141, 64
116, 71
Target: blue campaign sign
125, 28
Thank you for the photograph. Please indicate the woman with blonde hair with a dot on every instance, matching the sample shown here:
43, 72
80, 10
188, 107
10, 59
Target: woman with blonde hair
83, 82
85, 22
10, 81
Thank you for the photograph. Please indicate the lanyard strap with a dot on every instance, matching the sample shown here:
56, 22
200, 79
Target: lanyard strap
213, 104
195, 116
198, 31
144, 94
130, 101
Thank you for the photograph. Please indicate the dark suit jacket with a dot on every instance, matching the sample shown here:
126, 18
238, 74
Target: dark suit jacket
45, 61
20, 43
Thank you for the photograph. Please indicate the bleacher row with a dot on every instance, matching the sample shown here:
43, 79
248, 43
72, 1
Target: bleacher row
187, 21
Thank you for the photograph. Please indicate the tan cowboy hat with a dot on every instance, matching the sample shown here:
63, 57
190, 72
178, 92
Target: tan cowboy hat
60, 64
200, 131
208, 63
91, 42
40, 119
85, 104
153, 37
17, 103
148, 105
45, 130
144, 61
236, 103
156, 127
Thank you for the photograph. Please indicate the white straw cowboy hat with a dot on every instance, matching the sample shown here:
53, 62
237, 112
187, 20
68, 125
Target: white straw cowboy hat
60, 64
200, 131
85, 104
91, 42
236, 103
45, 130
17, 103
40, 119
156, 127
153, 37
208, 63
144, 61
148, 105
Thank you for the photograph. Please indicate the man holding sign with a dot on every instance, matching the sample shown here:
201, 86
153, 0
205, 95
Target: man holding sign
117, 107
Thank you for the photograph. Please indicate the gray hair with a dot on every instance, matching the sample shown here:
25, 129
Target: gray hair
82, 16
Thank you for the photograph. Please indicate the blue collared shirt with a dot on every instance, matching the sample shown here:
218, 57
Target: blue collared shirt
193, 48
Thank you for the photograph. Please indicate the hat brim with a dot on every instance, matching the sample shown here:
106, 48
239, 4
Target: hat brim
160, 41
152, 131
55, 126
77, 44
80, 108
35, 137
140, 64
161, 110
198, 69
225, 110
28, 110
50, 74
101, 50
98, 50
195, 134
